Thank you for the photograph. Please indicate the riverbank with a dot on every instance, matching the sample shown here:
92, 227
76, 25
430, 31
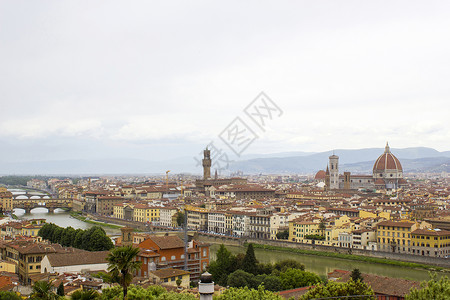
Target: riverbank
366, 259
79, 216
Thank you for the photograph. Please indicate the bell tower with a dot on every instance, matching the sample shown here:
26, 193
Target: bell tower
334, 172
206, 162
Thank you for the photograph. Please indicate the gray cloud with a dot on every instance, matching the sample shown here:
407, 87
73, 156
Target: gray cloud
163, 78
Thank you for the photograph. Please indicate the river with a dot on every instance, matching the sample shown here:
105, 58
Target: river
61, 218
323, 265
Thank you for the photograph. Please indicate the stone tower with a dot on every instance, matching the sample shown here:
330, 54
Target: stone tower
127, 237
334, 172
206, 162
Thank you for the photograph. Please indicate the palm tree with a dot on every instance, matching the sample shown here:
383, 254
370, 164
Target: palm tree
43, 290
122, 265
85, 295
322, 227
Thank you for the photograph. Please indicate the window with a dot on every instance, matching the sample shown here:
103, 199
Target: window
163, 259
173, 257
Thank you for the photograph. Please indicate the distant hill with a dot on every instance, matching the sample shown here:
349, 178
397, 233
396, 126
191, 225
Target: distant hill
418, 159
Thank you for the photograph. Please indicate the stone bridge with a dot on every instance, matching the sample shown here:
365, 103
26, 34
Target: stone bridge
50, 203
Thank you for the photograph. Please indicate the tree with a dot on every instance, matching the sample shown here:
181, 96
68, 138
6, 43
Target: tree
85, 295
340, 289
122, 264
78, 241
432, 289
68, 237
60, 290
322, 227
9, 296
42, 290
222, 266
180, 218
283, 235
56, 236
248, 294
356, 275
283, 265
295, 278
249, 264
240, 278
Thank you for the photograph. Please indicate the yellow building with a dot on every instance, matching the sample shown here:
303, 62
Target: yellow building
170, 276
298, 230
8, 266
146, 214
118, 211
367, 214
427, 242
395, 236
6, 199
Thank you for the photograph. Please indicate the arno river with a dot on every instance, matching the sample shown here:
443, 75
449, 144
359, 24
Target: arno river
322, 265
61, 218
316, 264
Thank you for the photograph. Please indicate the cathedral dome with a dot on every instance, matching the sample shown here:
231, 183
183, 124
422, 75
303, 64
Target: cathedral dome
387, 161
320, 175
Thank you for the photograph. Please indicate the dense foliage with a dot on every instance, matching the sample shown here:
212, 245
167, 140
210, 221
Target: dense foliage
245, 271
283, 235
85, 295
340, 289
248, 294
42, 290
153, 292
9, 296
315, 237
356, 275
92, 239
432, 289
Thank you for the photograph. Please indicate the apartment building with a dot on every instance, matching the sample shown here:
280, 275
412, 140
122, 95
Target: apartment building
428, 242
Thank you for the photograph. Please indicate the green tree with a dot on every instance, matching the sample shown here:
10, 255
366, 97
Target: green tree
99, 241
322, 227
85, 295
122, 264
60, 290
222, 266
180, 218
271, 282
356, 275
240, 278
42, 290
56, 236
112, 293
340, 289
248, 294
249, 264
295, 278
68, 237
9, 296
78, 241
432, 289
283, 235
285, 264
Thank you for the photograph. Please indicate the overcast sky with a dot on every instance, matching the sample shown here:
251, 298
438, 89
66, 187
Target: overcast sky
161, 79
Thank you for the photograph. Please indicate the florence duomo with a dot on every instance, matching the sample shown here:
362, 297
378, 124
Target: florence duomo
387, 174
